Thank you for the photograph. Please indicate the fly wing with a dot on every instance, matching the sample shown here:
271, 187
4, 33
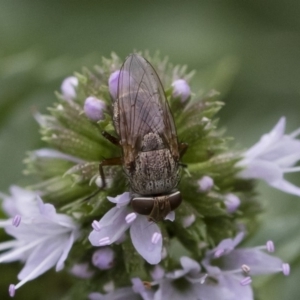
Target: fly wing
143, 108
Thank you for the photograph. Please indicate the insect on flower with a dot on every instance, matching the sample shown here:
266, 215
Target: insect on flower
147, 136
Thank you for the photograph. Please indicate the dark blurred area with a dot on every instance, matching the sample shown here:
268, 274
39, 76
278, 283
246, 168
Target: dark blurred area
247, 50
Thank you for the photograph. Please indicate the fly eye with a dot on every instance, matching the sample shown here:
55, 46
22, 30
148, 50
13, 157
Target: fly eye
175, 200
142, 206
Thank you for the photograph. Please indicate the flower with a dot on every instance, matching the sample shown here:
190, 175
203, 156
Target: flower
232, 202
231, 268
82, 270
113, 83
192, 279
205, 184
146, 236
43, 238
139, 288
103, 258
118, 294
133, 293
188, 220
181, 89
94, 108
212, 207
274, 155
48, 153
68, 87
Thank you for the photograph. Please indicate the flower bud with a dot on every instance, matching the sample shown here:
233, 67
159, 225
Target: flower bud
232, 202
103, 258
68, 87
181, 89
113, 83
94, 108
188, 220
81, 270
205, 184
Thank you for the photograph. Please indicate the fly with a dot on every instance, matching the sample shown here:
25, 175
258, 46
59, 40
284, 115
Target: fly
148, 138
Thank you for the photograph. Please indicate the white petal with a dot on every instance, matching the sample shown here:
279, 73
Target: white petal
120, 200
170, 216
258, 261
46, 209
9, 245
139, 288
21, 201
176, 274
267, 140
51, 153
96, 296
189, 264
141, 232
228, 288
20, 252
286, 186
66, 249
45, 255
289, 160
285, 147
112, 225
260, 169
39, 269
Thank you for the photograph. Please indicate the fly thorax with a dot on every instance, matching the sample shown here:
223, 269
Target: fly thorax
151, 141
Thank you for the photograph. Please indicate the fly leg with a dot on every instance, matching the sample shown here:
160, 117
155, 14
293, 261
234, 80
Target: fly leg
111, 138
114, 161
182, 148
106, 162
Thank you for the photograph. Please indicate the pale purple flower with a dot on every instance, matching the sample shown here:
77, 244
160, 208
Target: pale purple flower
43, 238
82, 270
181, 89
139, 288
227, 276
123, 78
205, 184
68, 87
157, 273
118, 294
135, 292
232, 202
103, 258
48, 153
94, 108
146, 236
113, 83
274, 155
188, 220
191, 272
231, 268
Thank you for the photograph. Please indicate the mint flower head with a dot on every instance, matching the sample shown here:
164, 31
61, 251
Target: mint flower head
74, 214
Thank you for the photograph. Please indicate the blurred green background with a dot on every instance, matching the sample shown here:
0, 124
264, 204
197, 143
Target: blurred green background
248, 50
